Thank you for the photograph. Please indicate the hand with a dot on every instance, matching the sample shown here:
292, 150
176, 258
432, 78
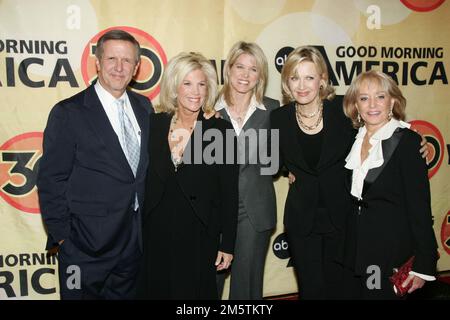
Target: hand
223, 260
291, 178
425, 147
417, 283
211, 114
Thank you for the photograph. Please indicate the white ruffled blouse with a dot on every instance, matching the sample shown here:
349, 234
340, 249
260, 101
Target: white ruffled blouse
374, 159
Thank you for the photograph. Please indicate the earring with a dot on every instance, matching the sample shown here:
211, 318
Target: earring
359, 118
390, 115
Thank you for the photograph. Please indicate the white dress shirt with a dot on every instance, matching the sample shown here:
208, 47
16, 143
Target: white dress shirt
110, 107
222, 104
374, 160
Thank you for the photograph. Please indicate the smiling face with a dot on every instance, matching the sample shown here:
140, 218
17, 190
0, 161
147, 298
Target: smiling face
374, 104
304, 83
192, 91
244, 74
117, 66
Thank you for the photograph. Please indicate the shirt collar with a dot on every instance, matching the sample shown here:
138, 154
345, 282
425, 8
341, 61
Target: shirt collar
106, 96
222, 104
385, 132
375, 158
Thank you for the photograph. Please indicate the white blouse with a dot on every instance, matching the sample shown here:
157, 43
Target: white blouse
374, 160
222, 104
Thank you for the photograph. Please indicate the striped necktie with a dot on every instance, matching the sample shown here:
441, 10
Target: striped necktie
129, 138
130, 142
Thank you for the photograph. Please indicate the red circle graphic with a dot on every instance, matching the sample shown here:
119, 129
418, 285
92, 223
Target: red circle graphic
422, 5
430, 130
14, 174
445, 233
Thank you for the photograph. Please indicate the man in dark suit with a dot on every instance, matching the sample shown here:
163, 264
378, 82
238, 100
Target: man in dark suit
92, 174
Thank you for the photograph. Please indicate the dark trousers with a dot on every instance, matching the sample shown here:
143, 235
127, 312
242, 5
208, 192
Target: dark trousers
318, 274
111, 277
247, 267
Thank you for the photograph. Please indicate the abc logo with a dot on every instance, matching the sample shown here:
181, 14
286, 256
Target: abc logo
281, 56
280, 247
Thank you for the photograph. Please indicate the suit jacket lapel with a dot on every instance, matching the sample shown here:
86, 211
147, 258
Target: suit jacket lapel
142, 118
332, 131
255, 119
101, 125
348, 179
389, 146
160, 145
224, 114
254, 122
159, 159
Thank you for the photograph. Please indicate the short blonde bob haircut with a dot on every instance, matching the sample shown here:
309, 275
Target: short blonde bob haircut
176, 70
386, 83
236, 51
311, 54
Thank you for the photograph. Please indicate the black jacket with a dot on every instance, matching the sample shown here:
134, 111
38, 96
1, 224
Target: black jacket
211, 189
393, 221
327, 180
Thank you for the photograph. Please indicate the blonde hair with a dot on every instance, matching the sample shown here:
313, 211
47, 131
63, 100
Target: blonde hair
300, 54
385, 82
236, 51
176, 70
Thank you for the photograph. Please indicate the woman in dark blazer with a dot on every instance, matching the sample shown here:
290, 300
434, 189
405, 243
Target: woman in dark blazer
191, 197
242, 102
315, 137
391, 217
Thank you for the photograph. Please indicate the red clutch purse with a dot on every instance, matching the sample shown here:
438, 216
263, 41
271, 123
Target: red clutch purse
400, 276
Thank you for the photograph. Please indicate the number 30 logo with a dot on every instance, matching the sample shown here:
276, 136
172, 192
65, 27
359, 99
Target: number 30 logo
19, 163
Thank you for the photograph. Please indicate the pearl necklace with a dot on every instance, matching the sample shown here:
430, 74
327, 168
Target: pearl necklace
300, 122
307, 116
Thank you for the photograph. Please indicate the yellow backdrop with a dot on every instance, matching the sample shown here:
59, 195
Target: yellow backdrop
45, 56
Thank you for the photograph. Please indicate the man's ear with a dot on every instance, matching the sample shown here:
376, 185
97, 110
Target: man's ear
136, 68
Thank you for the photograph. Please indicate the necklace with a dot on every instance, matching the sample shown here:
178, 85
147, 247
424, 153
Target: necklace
239, 117
173, 123
176, 152
300, 122
304, 115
